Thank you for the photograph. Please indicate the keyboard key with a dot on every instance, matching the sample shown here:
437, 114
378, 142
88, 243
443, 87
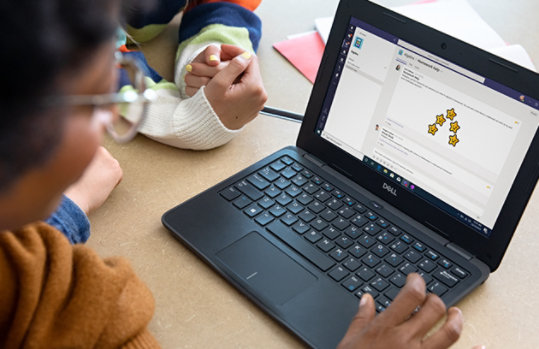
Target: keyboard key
299, 180
340, 223
288, 173
307, 216
365, 273
353, 232
230, 193
304, 199
249, 190
437, 288
407, 238
295, 207
360, 208
316, 206
287, 160
425, 277
331, 233
369, 289
398, 247
258, 181
334, 204
372, 229
325, 245
319, 224
328, 215
313, 236
299, 244
266, 202
446, 277
352, 283
357, 251
300, 227
392, 292
370, 260
264, 218
367, 241
394, 259
383, 223
371, 216
398, 280
322, 195
359, 221
317, 180
307, 173
380, 250
277, 210
293, 191
432, 255
283, 199
385, 238
384, 270
268, 173
289, 219
379, 284
351, 264
277, 165
327, 187
427, 265
344, 241
419, 246
407, 268
445, 263
310, 188
242, 202
348, 201
412, 256
272, 191
282, 183
346, 212
338, 254
253, 209
395, 231
458, 271
338, 194
383, 300
297, 167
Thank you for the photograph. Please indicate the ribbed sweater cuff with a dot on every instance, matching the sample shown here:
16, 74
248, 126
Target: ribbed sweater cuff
145, 340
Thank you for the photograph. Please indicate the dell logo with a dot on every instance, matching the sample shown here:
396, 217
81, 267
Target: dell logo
390, 189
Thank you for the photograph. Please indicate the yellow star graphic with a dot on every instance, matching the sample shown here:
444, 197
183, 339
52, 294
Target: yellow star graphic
440, 119
433, 129
454, 126
451, 113
453, 140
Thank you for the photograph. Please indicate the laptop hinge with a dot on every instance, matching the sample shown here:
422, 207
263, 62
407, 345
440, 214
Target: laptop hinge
311, 158
459, 250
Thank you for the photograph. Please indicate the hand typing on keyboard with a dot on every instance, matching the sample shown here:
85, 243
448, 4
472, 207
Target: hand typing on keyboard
405, 323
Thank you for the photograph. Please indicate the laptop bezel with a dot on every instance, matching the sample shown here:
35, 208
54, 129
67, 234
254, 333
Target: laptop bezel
489, 250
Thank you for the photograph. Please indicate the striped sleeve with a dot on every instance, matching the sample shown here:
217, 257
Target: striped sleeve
144, 25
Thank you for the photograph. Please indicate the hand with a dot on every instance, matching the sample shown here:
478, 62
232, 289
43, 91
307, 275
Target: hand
97, 182
202, 68
399, 326
236, 93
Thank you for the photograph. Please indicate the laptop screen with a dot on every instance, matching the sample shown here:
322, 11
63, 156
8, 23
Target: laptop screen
447, 135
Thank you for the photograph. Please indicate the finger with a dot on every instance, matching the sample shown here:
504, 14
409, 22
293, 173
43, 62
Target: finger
364, 316
196, 81
228, 52
449, 333
202, 69
190, 91
422, 322
409, 298
226, 77
212, 55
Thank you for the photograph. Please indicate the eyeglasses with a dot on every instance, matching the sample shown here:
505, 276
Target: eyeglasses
125, 110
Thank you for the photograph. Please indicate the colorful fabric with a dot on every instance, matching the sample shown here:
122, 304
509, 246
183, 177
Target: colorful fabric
71, 221
172, 119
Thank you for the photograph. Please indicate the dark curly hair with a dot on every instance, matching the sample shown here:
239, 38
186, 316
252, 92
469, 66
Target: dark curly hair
40, 40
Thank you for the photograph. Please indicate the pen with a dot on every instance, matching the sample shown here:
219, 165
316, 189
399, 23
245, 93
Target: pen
283, 114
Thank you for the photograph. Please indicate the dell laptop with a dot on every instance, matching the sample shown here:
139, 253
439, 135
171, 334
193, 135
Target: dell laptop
417, 153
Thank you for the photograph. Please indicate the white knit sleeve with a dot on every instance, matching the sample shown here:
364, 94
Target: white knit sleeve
185, 123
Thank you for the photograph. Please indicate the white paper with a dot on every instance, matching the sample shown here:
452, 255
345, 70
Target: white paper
323, 26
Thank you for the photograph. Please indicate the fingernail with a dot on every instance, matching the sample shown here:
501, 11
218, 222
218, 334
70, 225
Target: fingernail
246, 55
213, 58
363, 300
189, 67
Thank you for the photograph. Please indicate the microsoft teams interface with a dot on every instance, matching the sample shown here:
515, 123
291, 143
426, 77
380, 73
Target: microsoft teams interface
449, 136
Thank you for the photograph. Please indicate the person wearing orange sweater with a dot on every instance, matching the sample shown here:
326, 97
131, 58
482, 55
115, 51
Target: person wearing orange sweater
57, 98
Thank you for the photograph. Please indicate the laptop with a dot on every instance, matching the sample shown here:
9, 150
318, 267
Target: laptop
417, 153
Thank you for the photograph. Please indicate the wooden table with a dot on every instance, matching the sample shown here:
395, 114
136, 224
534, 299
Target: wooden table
195, 308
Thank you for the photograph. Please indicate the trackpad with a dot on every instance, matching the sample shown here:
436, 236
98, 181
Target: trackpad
265, 268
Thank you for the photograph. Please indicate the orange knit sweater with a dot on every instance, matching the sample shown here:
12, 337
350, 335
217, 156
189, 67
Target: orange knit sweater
54, 295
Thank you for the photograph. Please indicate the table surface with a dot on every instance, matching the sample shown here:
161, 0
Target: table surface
195, 308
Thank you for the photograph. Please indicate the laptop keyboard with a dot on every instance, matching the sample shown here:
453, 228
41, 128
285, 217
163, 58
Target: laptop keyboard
352, 243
